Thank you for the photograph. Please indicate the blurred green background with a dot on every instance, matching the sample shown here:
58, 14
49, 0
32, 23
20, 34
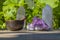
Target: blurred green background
8, 10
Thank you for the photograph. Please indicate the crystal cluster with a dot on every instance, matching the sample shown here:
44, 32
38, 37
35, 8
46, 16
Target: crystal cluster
37, 24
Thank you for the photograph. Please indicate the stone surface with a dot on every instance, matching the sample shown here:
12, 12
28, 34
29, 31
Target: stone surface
29, 35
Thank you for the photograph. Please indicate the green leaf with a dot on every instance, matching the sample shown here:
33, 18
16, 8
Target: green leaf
52, 3
10, 6
30, 3
14, 1
21, 3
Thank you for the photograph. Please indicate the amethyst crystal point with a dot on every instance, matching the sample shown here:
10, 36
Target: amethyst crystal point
34, 19
45, 26
37, 24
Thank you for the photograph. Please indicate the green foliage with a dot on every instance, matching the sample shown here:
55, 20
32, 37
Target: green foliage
52, 3
10, 8
33, 8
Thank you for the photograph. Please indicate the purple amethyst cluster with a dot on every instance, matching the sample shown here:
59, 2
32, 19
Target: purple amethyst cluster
37, 24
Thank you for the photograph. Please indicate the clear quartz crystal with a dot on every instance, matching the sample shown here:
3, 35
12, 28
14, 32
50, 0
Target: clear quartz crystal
47, 15
21, 14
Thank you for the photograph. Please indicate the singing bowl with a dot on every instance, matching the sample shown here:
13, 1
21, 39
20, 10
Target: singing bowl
14, 25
